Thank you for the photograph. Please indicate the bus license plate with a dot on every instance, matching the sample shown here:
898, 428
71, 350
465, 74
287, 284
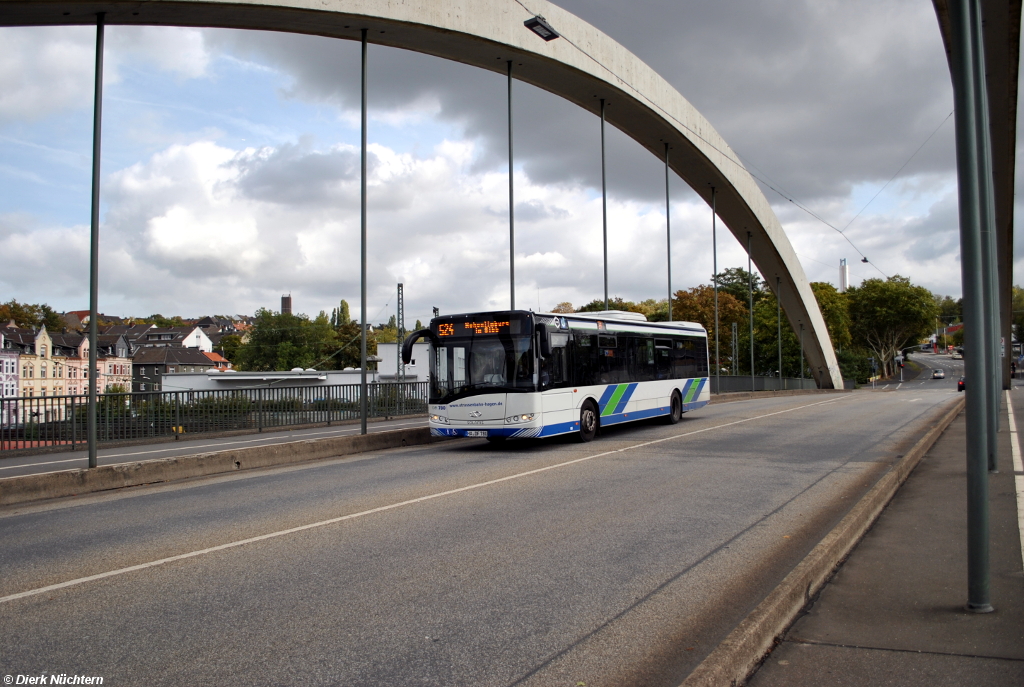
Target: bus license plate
476, 433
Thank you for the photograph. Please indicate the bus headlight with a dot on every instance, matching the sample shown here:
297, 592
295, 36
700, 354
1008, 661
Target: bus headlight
519, 418
440, 419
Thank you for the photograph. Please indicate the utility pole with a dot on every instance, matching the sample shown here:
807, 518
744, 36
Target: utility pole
363, 407
94, 243
511, 203
604, 208
668, 235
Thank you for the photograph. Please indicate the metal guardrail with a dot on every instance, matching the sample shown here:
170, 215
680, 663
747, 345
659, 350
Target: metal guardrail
31, 422
743, 383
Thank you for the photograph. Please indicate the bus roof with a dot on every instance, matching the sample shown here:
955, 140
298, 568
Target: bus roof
631, 319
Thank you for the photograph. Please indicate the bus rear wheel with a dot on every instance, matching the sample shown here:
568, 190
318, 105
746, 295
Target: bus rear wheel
588, 421
675, 410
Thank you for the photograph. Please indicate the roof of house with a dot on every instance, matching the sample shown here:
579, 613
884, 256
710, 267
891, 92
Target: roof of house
217, 358
131, 332
67, 342
170, 355
23, 340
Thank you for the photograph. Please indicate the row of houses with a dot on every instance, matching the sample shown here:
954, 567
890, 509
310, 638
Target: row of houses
38, 363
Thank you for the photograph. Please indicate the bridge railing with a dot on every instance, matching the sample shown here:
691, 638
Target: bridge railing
31, 422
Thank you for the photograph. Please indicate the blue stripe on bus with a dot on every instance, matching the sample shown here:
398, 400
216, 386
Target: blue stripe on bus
635, 415
605, 397
625, 398
686, 387
700, 386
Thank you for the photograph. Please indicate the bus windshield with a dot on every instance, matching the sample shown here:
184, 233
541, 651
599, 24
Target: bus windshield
465, 365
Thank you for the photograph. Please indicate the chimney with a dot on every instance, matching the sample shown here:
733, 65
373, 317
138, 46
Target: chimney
286, 305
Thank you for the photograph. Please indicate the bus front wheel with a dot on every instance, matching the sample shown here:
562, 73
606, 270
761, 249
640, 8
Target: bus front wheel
675, 410
588, 421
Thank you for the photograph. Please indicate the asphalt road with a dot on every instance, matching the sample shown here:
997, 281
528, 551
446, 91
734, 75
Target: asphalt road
619, 562
952, 369
50, 462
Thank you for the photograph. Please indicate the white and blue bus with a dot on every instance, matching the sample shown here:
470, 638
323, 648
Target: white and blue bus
517, 374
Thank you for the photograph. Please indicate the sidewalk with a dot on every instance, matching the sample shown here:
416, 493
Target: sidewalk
893, 614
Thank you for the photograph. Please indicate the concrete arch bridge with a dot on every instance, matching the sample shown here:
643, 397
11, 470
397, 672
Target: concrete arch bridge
583, 66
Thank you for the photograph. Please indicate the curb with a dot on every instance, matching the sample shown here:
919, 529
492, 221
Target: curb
62, 483
739, 654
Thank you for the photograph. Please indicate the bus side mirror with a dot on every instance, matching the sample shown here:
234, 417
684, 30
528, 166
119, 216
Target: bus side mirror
545, 341
413, 338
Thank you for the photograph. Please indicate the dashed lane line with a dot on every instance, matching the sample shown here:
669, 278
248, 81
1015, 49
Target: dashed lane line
389, 507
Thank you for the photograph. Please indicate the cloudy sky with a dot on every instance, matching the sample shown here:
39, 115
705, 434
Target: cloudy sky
231, 162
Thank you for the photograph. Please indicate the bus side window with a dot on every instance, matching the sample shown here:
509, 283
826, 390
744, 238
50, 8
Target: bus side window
440, 376
643, 357
583, 358
615, 356
663, 358
700, 357
553, 369
682, 359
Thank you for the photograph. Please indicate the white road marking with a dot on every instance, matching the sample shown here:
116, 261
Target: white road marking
49, 462
1018, 468
189, 448
381, 509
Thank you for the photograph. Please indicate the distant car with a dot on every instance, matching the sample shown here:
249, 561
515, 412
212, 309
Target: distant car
960, 384
938, 374
956, 356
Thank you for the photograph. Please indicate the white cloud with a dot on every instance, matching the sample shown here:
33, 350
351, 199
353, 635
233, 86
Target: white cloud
48, 69
45, 70
179, 51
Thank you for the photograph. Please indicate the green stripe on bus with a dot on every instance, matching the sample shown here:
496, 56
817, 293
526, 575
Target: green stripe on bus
614, 400
694, 385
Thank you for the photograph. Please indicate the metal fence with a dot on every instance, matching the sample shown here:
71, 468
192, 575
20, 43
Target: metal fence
32, 422
743, 383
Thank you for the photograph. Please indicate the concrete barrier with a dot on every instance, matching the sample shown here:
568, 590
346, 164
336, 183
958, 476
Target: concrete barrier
739, 654
82, 481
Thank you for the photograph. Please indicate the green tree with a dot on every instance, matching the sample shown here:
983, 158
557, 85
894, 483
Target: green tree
341, 315
698, 305
736, 281
282, 341
653, 310
950, 311
346, 352
419, 325
387, 333
31, 315
164, 322
229, 345
885, 315
835, 310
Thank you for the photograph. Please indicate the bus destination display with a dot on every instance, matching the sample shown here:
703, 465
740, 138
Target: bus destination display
478, 327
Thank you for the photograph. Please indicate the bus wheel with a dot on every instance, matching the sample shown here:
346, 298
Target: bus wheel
676, 411
588, 421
